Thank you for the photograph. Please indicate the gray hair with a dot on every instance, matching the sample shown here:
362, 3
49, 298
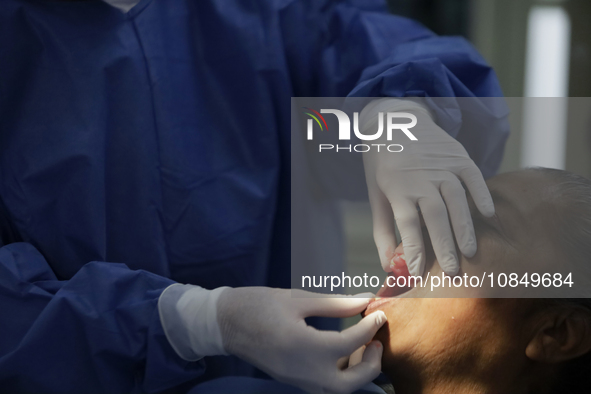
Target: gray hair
571, 195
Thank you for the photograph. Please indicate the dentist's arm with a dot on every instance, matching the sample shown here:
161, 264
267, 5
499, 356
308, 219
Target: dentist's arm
97, 332
266, 327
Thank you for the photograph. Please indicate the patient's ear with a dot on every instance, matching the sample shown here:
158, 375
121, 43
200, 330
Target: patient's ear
563, 334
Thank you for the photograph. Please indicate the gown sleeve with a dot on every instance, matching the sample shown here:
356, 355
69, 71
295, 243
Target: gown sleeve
348, 50
96, 332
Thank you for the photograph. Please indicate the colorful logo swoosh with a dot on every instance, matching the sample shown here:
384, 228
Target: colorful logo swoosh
315, 118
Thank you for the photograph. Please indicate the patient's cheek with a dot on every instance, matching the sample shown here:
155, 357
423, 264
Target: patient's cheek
383, 335
436, 327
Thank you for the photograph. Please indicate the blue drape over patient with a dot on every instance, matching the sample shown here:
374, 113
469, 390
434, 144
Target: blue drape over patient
145, 148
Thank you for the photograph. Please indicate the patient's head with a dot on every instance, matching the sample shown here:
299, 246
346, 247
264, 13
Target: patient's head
479, 345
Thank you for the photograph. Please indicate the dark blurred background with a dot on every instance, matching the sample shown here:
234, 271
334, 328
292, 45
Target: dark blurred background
538, 48
498, 28
444, 17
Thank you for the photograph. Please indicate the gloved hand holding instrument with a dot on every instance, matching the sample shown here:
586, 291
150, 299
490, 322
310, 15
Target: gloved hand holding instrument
266, 327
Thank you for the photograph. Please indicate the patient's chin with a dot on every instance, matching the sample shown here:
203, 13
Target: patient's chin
401, 369
383, 335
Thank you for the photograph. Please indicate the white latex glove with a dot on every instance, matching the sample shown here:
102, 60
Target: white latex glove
266, 328
425, 175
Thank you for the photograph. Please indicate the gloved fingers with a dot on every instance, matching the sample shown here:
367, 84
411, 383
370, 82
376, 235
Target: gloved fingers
361, 333
384, 230
454, 196
435, 215
355, 377
330, 305
409, 225
472, 178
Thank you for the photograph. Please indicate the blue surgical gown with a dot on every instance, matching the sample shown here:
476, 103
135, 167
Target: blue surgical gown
145, 148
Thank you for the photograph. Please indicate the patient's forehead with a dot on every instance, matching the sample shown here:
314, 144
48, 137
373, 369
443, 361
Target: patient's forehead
524, 201
526, 189
526, 209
